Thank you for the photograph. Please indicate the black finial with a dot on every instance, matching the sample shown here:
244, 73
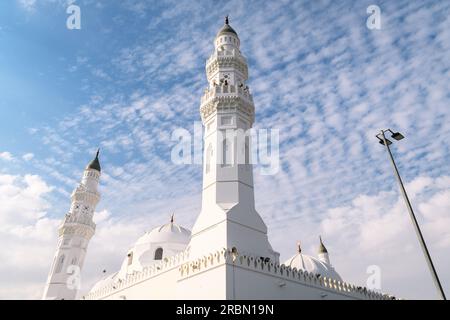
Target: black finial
299, 247
171, 218
226, 19
95, 164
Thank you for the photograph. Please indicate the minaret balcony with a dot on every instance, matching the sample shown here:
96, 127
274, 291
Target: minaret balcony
80, 227
228, 61
226, 54
237, 91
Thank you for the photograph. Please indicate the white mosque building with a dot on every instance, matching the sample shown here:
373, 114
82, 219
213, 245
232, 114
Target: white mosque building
227, 255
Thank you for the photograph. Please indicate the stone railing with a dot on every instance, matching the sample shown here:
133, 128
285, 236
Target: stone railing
281, 271
225, 54
226, 90
147, 273
188, 268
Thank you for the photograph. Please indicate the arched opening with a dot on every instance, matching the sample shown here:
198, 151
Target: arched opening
60, 264
158, 254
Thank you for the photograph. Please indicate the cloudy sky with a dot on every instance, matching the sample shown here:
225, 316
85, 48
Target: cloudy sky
135, 72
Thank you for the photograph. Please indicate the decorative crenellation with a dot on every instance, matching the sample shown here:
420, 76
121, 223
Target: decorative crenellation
147, 272
227, 90
223, 256
279, 270
86, 230
228, 103
81, 194
226, 54
224, 61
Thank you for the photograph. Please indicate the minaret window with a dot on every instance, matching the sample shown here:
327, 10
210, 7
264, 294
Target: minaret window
226, 153
247, 150
60, 264
159, 254
208, 159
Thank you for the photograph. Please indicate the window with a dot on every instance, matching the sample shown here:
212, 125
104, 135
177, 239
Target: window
130, 258
74, 262
60, 264
158, 254
247, 150
226, 153
208, 159
226, 120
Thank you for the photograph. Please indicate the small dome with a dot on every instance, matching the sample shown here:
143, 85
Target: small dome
108, 280
169, 232
312, 265
95, 164
226, 29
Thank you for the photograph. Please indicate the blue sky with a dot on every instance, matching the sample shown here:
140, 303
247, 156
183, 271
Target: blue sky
135, 72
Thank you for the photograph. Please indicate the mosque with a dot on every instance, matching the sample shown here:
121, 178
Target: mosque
227, 254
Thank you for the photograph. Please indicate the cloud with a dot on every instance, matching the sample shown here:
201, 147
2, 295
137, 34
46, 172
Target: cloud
28, 5
28, 156
6, 156
26, 232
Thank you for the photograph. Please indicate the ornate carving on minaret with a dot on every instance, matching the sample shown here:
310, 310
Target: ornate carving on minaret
75, 231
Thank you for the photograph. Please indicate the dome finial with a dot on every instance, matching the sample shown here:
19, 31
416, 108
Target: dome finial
171, 218
98, 151
226, 19
299, 247
322, 248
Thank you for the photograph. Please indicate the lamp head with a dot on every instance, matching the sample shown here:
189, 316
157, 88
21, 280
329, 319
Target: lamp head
389, 142
397, 136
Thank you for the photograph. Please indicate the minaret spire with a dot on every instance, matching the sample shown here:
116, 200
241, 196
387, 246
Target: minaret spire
226, 19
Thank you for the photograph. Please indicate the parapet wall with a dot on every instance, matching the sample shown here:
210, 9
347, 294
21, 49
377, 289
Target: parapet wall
244, 266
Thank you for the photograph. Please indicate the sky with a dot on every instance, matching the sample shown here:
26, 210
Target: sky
135, 72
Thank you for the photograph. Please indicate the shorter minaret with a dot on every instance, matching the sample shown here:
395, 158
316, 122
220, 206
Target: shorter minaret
75, 232
323, 253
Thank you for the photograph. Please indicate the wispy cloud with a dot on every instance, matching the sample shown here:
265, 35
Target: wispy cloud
6, 156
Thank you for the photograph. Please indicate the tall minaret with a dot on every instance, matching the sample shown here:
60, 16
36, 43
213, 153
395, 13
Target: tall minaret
75, 232
228, 217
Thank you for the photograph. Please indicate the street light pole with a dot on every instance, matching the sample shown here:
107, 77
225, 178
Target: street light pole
414, 220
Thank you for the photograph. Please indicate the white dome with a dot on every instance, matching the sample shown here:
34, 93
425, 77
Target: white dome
168, 233
169, 238
110, 279
312, 265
